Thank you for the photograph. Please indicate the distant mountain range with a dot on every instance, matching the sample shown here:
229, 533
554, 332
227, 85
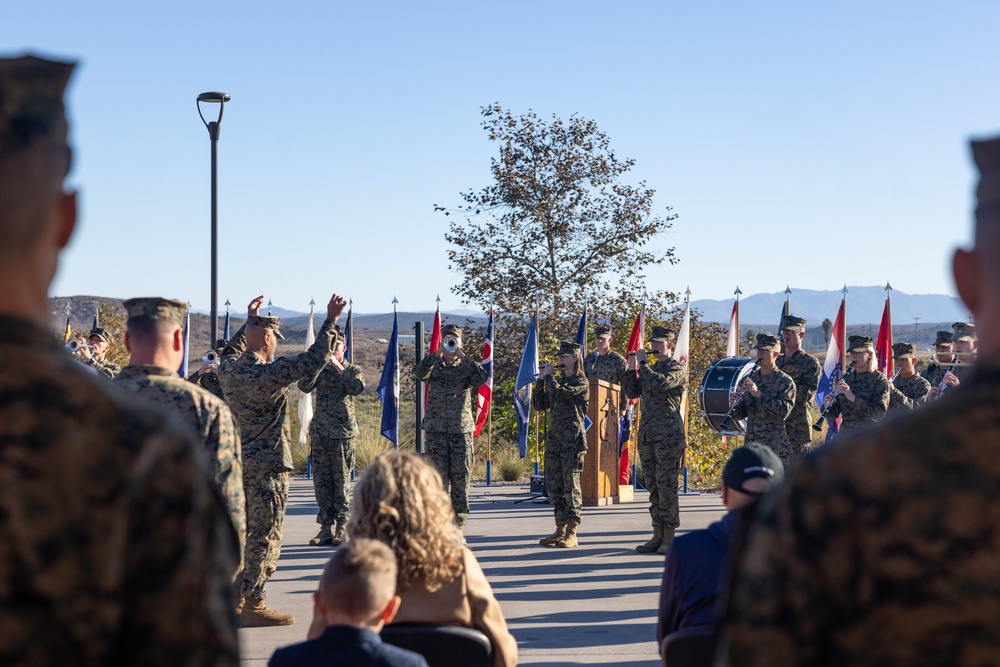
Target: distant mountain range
864, 306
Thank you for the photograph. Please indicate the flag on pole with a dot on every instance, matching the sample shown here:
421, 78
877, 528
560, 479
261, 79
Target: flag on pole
183, 370
527, 373
435, 342
786, 309
486, 389
883, 344
306, 400
581, 332
833, 367
225, 326
682, 350
388, 386
733, 338
69, 329
349, 335
97, 321
625, 426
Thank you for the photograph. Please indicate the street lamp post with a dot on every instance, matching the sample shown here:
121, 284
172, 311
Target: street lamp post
213, 134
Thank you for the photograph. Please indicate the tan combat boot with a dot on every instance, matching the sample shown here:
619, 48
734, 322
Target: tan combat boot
653, 544
256, 615
569, 540
668, 537
340, 535
323, 537
554, 538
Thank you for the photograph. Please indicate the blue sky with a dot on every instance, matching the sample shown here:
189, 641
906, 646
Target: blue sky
810, 144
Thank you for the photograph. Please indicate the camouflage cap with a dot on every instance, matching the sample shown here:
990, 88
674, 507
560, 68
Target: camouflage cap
451, 330
220, 344
859, 343
792, 323
943, 338
154, 306
986, 155
266, 322
900, 350
766, 341
602, 331
963, 331
568, 347
662, 334
32, 116
99, 332
752, 460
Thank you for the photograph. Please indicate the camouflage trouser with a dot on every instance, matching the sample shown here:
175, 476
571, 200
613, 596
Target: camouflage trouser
798, 427
562, 484
332, 461
451, 454
661, 464
267, 496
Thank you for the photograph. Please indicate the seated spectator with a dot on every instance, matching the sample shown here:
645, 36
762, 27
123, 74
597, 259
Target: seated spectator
356, 597
401, 501
696, 562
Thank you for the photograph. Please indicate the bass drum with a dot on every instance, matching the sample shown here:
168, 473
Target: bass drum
721, 379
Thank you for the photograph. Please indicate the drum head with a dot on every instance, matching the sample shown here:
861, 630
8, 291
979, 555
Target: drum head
721, 379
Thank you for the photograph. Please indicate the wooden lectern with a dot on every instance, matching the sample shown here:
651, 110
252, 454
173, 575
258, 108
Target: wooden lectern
599, 480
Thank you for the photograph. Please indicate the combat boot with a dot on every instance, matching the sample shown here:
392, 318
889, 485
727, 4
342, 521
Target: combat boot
340, 535
256, 615
653, 544
668, 537
569, 539
554, 538
323, 537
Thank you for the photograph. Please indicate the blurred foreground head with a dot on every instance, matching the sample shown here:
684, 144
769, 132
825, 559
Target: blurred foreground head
36, 215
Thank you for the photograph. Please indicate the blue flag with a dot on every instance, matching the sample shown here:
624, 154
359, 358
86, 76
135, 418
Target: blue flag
388, 387
225, 328
581, 332
97, 322
183, 371
526, 375
348, 343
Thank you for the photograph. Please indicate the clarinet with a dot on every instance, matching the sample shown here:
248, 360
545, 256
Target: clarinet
831, 399
739, 398
943, 385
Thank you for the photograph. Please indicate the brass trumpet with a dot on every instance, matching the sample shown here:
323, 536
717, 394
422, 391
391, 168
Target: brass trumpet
75, 346
211, 357
450, 343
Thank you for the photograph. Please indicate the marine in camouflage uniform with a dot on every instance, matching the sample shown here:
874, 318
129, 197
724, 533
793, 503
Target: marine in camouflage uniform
207, 377
767, 412
805, 371
208, 417
107, 368
257, 393
449, 422
565, 441
610, 367
883, 549
936, 369
333, 430
661, 440
115, 548
908, 391
870, 389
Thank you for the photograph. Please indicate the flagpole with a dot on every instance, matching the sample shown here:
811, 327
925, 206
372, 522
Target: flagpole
538, 338
738, 334
684, 399
302, 396
843, 351
888, 308
489, 408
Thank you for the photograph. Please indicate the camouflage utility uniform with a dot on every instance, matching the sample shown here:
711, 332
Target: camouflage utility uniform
871, 400
661, 439
115, 548
805, 371
908, 393
106, 368
882, 549
209, 381
565, 442
449, 422
610, 367
257, 393
333, 430
209, 419
766, 415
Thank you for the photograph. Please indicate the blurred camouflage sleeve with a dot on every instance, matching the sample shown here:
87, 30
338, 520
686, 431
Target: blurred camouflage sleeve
540, 398
224, 439
673, 377
307, 365
354, 380
423, 368
236, 345
477, 374
632, 385
782, 401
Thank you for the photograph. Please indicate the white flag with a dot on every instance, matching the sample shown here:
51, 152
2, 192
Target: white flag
733, 339
306, 400
682, 351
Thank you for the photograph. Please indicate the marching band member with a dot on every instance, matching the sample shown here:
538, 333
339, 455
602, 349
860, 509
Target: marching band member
805, 371
95, 354
963, 339
943, 355
907, 390
767, 400
863, 396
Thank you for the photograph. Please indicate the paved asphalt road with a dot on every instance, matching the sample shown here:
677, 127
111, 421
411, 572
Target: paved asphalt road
593, 605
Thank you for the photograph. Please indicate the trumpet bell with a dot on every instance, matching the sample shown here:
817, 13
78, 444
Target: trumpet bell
211, 358
451, 344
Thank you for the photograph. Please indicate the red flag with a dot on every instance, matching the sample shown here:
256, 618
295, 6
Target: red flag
486, 390
883, 344
435, 344
634, 343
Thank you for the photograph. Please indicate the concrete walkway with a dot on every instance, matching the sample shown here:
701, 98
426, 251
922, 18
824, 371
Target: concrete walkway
595, 604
